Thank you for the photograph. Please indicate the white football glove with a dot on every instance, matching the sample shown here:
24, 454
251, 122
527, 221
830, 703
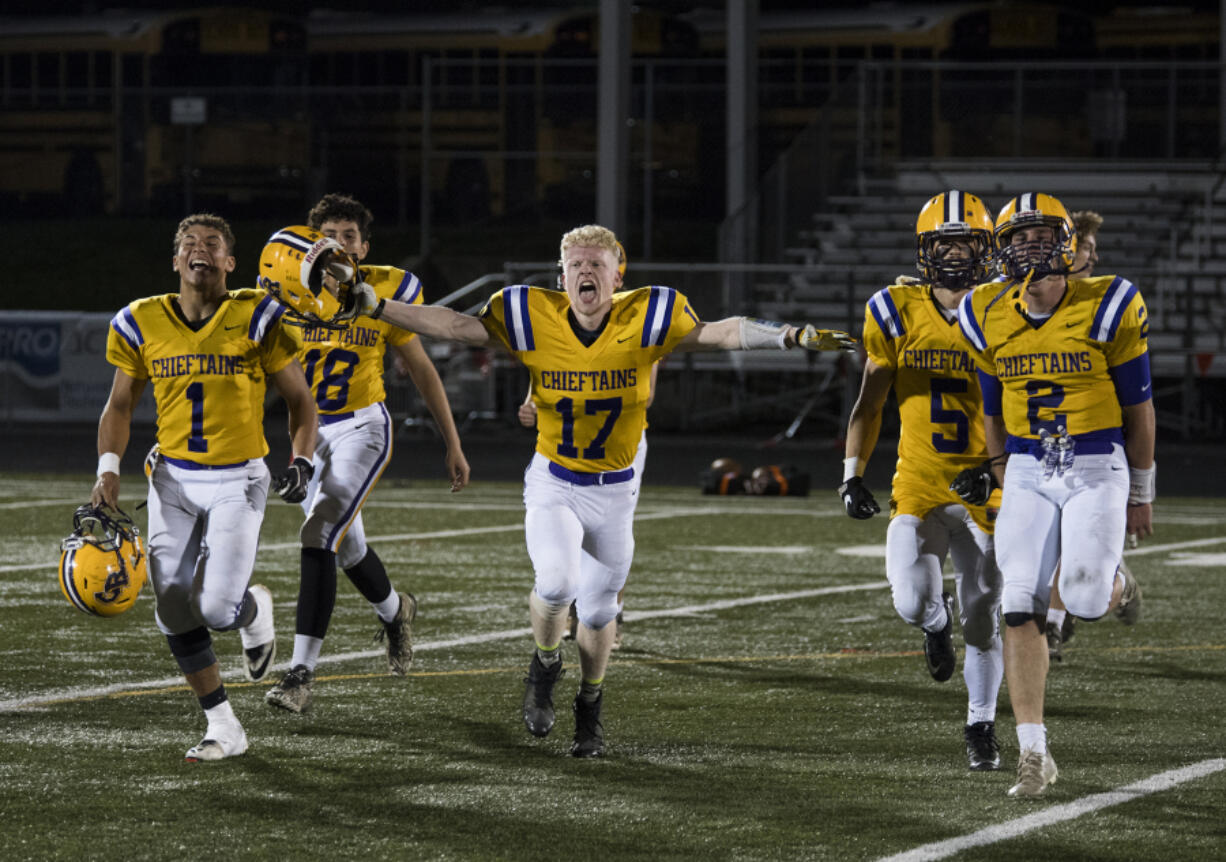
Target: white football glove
811, 338
359, 300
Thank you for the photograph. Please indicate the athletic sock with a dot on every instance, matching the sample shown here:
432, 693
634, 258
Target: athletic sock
306, 651
590, 691
549, 656
1032, 737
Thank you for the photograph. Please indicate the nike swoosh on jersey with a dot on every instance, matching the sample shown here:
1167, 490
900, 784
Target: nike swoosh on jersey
235, 326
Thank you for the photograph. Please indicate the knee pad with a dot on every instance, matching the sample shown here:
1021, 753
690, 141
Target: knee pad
1086, 598
223, 617
909, 605
1016, 620
597, 611
193, 650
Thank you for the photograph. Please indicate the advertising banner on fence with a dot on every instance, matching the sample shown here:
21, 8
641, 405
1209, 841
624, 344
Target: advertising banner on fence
54, 367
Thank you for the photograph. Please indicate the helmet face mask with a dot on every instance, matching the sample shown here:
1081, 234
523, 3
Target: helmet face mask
954, 217
1035, 256
292, 268
102, 562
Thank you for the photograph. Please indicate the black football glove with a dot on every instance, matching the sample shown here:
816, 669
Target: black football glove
975, 484
292, 484
857, 499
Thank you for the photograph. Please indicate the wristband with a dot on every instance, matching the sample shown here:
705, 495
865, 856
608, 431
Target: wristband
377, 312
759, 334
108, 462
1141, 485
850, 467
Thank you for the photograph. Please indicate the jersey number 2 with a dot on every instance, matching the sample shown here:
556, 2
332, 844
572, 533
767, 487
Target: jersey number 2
566, 409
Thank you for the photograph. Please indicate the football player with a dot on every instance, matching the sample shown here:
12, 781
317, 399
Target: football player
209, 352
913, 346
589, 348
1067, 402
344, 368
527, 418
1060, 624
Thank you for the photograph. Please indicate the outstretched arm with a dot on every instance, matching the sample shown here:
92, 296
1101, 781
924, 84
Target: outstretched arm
750, 333
432, 320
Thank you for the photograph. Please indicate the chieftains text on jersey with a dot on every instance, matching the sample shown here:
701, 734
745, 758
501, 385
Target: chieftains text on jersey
196, 363
589, 381
1058, 362
938, 359
360, 336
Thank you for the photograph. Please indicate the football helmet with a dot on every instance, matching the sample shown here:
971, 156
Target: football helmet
102, 562
954, 215
292, 268
1035, 259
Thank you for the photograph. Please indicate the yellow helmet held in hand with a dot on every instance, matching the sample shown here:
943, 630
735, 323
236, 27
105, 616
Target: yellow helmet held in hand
292, 268
954, 216
102, 562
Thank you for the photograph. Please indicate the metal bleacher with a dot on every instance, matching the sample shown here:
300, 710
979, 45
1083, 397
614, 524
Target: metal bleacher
1164, 229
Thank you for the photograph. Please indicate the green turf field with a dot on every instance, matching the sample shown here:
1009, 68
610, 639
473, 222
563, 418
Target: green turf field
767, 704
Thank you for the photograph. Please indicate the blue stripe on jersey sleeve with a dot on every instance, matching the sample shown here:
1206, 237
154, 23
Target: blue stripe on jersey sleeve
886, 314
1132, 381
255, 330
529, 341
410, 287
670, 297
1111, 309
126, 327
645, 341
970, 326
516, 320
991, 389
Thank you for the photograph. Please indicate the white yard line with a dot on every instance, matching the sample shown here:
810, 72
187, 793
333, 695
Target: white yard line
1059, 813
41, 700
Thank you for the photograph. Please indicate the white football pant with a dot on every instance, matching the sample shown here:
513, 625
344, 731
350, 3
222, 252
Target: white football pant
1076, 520
915, 552
580, 538
350, 455
204, 528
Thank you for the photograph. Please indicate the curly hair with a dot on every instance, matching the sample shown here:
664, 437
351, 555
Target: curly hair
337, 207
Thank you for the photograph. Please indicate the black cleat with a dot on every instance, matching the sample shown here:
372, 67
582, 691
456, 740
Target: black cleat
589, 732
1055, 642
538, 696
939, 646
1067, 628
982, 749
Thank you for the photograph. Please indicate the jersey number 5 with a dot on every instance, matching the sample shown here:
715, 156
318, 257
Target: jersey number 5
566, 409
941, 415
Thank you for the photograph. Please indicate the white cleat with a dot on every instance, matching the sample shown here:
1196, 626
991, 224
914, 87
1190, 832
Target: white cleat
260, 638
220, 741
1034, 773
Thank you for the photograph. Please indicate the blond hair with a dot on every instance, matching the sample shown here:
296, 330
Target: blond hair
590, 236
1086, 222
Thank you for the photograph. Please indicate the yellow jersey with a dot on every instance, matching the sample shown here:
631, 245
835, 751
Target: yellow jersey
940, 406
344, 367
208, 384
1074, 368
591, 400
